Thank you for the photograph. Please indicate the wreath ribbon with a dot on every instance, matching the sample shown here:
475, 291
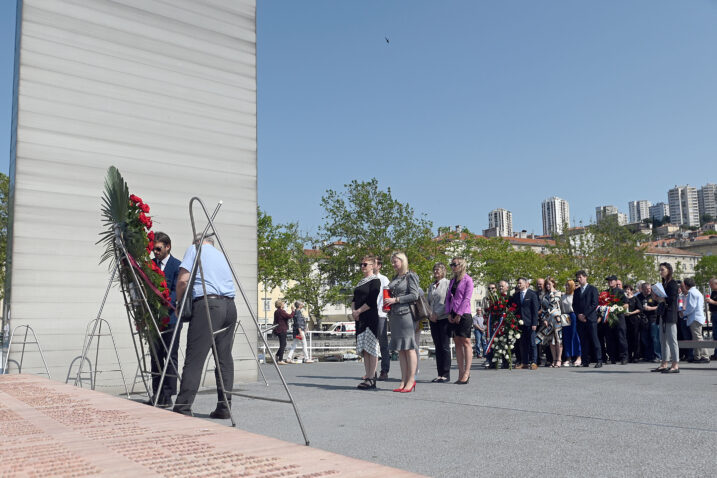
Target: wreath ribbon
154, 289
497, 329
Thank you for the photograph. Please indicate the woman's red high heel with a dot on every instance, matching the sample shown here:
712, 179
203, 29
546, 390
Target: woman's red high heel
406, 390
398, 390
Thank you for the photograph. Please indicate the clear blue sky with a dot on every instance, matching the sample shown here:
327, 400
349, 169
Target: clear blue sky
477, 105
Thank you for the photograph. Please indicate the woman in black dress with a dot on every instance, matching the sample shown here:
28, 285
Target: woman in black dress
365, 312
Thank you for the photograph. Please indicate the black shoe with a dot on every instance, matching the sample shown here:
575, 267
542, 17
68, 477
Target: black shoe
165, 404
703, 360
671, 370
220, 413
623, 362
368, 384
598, 365
182, 411
586, 364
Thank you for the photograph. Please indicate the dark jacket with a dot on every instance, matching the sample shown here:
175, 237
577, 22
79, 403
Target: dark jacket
299, 322
281, 320
586, 302
529, 308
673, 294
171, 272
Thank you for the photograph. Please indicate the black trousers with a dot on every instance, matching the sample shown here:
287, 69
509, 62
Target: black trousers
282, 346
589, 341
441, 333
683, 333
161, 346
633, 337
528, 349
617, 340
223, 314
603, 332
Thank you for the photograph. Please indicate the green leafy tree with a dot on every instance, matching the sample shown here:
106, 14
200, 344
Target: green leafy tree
4, 211
705, 269
364, 219
603, 249
309, 281
275, 243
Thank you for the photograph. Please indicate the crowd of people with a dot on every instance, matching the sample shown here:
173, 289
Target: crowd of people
557, 328
653, 321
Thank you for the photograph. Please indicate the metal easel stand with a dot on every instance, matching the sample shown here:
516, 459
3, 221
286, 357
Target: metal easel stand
134, 296
91, 331
197, 265
24, 343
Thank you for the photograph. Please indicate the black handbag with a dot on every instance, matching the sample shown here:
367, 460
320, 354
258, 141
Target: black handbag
187, 311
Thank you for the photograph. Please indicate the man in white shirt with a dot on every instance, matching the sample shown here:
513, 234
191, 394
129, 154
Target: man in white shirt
382, 323
695, 318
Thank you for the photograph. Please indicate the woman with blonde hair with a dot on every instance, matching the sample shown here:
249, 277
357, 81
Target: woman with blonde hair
458, 308
405, 290
281, 326
571, 339
364, 309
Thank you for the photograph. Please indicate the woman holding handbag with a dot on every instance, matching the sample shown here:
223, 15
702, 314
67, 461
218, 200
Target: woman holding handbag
404, 290
299, 330
458, 308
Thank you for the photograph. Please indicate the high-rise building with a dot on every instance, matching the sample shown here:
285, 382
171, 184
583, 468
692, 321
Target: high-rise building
502, 221
707, 200
601, 212
684, 206
658, 211
556, 215
638, 210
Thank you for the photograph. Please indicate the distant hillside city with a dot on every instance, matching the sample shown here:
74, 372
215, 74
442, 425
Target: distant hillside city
687, 209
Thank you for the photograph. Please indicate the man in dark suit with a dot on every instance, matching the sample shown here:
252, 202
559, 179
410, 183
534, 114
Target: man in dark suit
527, 304
170, 266
616, 336
585, 302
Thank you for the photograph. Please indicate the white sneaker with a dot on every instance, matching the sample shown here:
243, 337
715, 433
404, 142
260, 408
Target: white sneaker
308, 361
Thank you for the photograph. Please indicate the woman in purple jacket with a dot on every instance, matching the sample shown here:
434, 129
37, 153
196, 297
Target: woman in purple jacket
458, 308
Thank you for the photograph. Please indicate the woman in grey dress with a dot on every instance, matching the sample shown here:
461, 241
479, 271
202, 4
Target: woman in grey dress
404, 291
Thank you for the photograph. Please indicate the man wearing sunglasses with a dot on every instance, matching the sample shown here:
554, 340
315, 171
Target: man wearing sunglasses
170, 266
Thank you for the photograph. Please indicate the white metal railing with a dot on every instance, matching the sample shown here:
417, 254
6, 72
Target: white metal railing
314, 339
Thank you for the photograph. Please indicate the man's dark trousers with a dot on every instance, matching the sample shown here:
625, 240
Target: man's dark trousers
383, 343
199, 343
169, 386
528, 349
589, 341
617, 340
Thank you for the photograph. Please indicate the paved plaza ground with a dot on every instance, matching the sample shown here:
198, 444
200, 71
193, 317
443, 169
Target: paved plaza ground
614, 421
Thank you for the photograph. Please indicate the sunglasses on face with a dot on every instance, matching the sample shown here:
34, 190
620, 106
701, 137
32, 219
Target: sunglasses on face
157, 249
453, 264
364, 264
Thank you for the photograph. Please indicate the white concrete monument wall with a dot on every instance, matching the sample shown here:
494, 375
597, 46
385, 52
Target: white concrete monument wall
164, 91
